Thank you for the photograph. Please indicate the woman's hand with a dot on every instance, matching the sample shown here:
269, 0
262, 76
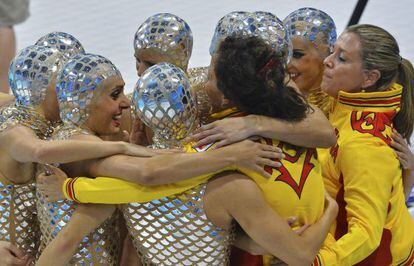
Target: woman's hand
255, 156
225, 131
138, 133
331, 206
10, 255
405, 156
51, 182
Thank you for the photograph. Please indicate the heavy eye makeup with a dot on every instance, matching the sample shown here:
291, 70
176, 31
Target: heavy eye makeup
298, 54
116, 92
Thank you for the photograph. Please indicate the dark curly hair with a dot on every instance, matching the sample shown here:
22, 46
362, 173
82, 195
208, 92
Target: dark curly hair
252, 75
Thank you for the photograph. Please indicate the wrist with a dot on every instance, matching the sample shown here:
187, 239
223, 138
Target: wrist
122, 147
253, 127
227, 156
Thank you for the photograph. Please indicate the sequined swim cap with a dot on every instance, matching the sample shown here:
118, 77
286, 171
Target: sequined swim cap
168, 35
164, 102
62, 41
264, 25
312, 24
78, 85
32, 71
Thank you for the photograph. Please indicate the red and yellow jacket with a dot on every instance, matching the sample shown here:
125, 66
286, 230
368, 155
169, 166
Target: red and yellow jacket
362, 172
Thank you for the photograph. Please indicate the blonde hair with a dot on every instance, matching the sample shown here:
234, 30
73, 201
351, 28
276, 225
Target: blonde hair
380, 52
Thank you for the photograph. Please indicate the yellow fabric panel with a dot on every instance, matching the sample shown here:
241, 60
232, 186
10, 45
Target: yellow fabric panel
362, 172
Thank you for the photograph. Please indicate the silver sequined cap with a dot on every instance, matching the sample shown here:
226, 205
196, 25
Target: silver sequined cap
313, 24
32, 71
62, 41
164, 102
169, 35
78, 85
260, 24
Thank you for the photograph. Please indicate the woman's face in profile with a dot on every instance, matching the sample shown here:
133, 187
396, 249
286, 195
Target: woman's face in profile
344, 68
216, 96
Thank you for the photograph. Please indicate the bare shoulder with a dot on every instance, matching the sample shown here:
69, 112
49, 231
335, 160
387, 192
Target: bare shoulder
17, 133
225, 192
230, 183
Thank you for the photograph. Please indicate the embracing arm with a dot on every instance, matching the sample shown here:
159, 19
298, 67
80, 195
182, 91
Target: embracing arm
314, 131
243, 200
26, 147
165, 169
84, 220
406, 158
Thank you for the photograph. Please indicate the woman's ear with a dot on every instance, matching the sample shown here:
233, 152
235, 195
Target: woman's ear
370, 78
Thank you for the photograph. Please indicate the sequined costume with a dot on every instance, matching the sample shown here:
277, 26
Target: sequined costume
30, 75
167, 34
173, 230
170, 37
176, 231
62, 41
78, 85
264, 25
318, 28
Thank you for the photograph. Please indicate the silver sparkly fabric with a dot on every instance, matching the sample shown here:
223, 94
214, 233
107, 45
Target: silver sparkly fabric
101, 247
173, 230
312, 24
62, 41
176, 231
260, 24
164, 101
28, 117
32, 71
78, 85
18, 216
168, 35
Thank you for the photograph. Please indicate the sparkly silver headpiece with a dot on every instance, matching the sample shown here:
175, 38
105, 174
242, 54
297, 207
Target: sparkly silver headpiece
32, 71
312, 24
264, 25
78, 85
164, 102
168, 35
64, 42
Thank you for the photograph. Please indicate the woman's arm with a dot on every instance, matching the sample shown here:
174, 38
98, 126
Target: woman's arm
165, 169
246, 243
406, 158
26, 147
314, 131
84, 220
243, 200
12, 256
